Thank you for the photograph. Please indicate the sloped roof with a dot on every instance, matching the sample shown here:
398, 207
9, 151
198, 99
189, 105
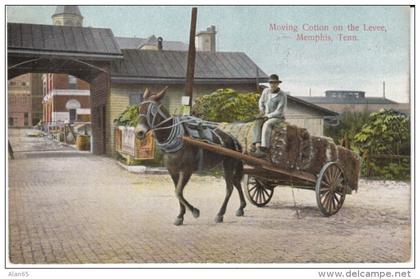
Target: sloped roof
136, 43
67, 9
130, 43
46, 39
303, 102
171, 66
333, 100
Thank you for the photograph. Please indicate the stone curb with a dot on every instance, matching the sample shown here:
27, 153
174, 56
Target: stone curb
143, 169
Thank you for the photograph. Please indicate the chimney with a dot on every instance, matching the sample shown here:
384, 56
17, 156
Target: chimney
160, 43
206, 40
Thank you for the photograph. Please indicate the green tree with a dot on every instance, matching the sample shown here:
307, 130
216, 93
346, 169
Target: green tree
226, 105
350, 123
387, 132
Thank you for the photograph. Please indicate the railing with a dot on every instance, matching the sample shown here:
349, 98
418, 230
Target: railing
375, 162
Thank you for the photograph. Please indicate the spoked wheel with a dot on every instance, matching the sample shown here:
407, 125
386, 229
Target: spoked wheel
257, 192
330, 189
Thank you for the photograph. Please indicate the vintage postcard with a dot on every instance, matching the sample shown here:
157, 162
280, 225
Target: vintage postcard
210, 137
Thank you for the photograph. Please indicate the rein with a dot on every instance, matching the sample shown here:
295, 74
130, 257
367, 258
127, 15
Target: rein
173, 142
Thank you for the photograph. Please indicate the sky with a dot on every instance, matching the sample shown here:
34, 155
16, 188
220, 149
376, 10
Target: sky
363, 63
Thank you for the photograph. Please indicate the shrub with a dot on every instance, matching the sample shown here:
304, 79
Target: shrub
226, 105
128, 117
350, 123
387, 132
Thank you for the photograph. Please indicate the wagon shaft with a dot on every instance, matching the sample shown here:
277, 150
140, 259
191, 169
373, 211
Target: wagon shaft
264, 164
294, 149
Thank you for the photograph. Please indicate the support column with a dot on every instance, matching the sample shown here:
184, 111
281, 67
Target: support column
99, 93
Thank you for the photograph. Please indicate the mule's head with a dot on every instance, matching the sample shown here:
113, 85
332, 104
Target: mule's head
148, 112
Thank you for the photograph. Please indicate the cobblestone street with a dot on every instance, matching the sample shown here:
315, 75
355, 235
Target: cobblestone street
67, 206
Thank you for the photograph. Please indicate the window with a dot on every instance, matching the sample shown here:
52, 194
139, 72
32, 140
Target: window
136, 99
72, 113
26, 119
11, 121
72, 82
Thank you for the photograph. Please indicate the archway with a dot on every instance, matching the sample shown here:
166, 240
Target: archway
85, 53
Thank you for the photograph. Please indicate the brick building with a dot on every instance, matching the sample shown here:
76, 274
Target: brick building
65, 97
19, 101
24, 100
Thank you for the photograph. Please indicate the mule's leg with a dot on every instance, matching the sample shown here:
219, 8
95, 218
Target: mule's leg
237, 183
229, 188
180, 218
184, 177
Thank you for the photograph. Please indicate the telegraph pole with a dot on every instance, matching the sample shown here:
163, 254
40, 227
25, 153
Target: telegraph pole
191, 58
383, 89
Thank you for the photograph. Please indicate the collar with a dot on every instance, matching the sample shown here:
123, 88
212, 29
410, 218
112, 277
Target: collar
275, 91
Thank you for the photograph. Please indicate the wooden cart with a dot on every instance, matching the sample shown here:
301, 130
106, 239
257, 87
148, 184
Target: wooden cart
261, 177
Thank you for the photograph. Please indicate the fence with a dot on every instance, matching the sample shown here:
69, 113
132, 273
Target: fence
388, 166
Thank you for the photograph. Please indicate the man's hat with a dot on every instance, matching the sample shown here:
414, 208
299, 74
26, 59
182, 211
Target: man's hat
274, 78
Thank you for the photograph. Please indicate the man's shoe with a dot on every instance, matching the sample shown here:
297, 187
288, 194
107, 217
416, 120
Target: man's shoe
253, 148
261, 152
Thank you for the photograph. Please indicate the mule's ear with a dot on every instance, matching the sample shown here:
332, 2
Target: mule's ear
161, 94
146, 94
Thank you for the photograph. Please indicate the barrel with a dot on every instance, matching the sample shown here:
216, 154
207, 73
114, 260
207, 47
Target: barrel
83, 142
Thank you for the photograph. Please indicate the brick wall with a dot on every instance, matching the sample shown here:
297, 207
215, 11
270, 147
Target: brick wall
82, 85
60, 102
61, 81
19, 101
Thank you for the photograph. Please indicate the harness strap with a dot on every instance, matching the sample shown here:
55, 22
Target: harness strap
174, 142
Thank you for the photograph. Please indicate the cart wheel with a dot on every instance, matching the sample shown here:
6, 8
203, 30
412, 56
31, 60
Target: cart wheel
257, 192
330, 189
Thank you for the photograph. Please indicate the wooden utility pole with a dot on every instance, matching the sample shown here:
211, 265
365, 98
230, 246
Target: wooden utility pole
191, 57
383, 89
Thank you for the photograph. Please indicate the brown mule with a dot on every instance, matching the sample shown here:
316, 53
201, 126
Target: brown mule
183, 160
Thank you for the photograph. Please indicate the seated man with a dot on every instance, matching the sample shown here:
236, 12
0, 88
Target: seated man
272, 104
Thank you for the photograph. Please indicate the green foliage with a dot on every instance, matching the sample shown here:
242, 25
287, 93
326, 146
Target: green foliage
350, 123
387, 132
226, 105
384, 133
388, 169
128, 117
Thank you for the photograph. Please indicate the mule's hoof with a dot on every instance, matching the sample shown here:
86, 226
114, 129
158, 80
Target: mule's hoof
196, 213
240, 212
218, 219
179, 221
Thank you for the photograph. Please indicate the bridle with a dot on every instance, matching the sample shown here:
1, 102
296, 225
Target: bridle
153, 110
173, 142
